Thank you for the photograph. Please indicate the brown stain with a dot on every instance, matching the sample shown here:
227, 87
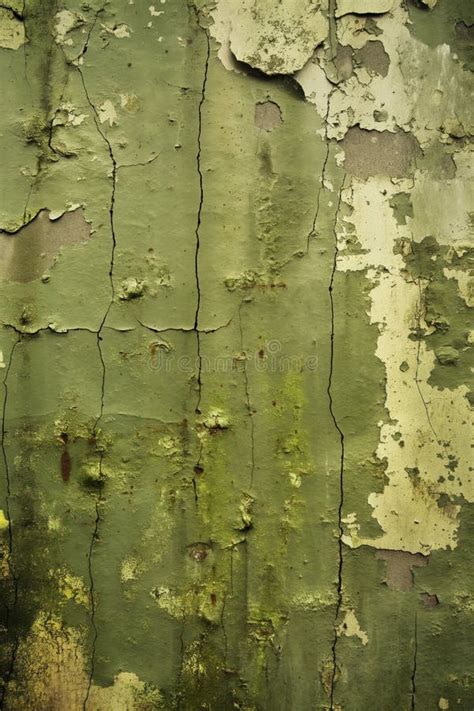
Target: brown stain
29, 252
399, 573
369, 153
65, 465
430, 600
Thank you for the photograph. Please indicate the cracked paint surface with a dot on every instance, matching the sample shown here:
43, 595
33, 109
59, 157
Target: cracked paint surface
236, 355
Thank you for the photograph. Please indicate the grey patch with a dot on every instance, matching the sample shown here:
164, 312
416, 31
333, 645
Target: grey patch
374, 58
267, 115
402, 207
26, 254
380, 116
399, 574
369, 153
343, 61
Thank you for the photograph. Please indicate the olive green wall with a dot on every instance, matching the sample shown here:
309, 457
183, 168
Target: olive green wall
235, 355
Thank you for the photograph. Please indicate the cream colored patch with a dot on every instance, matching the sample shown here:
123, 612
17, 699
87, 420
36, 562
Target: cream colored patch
67, 115
426, 426
277, 38
363, 7
108, 113
65, 22
350, 627
443, 703
424, 91
121, 31
12, 30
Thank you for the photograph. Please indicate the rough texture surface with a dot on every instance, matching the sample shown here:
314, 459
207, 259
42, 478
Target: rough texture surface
236, 355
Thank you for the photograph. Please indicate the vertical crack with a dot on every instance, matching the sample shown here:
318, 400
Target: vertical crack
312, 231
197, 467
199, 218
99, 498
8, 609
250, 410
341, 461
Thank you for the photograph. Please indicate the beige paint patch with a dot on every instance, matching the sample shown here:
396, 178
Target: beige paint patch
121, 31
65, 22
275, 38
350, 627
108, 113
32, 250
12, 30
424, 90
363, 7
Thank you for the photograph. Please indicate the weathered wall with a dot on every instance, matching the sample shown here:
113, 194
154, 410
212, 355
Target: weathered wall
235, 351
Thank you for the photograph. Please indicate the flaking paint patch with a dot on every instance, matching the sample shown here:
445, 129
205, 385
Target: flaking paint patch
427, 426
276, 39
363, 7
32, 250
12, 30
350, 627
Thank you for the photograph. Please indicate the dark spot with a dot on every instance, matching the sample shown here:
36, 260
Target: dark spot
430, 600
198, 470
213, 598
198, 551
66, 465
